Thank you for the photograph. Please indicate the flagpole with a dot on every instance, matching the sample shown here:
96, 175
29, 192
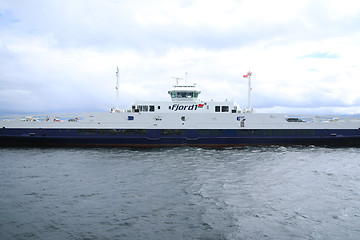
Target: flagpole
248, 76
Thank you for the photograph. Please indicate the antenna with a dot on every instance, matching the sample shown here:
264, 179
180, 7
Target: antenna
249, 92
177, 79
117, 89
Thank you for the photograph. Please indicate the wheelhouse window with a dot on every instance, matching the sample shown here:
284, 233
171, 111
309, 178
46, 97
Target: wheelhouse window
217, 108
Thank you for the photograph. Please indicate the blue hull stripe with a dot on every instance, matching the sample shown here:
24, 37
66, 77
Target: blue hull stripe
177, 137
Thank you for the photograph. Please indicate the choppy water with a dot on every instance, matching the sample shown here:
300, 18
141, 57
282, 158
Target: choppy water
180, 193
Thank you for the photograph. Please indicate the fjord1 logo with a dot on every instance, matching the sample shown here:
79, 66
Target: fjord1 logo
180, 107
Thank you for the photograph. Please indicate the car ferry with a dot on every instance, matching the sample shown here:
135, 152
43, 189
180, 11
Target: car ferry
183, 120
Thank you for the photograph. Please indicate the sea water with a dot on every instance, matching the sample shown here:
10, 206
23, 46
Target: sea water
180, 193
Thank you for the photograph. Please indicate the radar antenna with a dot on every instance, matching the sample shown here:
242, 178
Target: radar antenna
177, 79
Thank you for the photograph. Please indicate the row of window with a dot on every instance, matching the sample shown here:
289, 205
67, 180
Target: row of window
184, 94
222, 108
151, 108
225, 109
143, 108
201, 132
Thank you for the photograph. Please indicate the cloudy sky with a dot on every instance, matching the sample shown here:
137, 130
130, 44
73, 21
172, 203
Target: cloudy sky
61, 55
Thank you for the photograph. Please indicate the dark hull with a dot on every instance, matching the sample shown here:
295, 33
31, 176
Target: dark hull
173, 137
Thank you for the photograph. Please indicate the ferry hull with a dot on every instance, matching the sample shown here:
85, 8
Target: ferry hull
190, 137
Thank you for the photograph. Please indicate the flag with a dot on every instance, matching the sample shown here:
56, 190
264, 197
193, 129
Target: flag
248, 74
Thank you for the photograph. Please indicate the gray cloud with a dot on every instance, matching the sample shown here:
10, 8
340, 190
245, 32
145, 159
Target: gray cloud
41, 42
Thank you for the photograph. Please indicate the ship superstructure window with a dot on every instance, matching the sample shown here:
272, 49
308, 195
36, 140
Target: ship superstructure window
143, 108
234, 110
221, 108
185, 95
225, 108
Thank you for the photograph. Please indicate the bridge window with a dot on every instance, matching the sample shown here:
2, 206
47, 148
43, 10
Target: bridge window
217, 108
184, 94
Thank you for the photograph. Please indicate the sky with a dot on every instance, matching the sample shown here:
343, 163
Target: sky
60, 56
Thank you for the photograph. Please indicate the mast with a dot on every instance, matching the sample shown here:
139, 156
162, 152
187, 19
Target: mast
117, 89
248, 76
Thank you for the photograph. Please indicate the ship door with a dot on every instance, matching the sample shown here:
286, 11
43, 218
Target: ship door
241, 120
242, 123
